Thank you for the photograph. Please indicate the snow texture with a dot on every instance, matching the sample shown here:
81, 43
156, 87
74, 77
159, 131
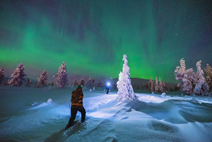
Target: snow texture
61, 77
150, 118
125, 89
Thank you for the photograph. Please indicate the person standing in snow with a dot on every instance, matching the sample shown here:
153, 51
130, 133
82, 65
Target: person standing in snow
76, 105
107, 89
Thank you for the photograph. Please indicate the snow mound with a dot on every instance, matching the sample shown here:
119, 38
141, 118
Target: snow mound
34, 103
49, 100
163, 95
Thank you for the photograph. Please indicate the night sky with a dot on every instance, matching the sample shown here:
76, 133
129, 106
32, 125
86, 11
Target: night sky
91, 36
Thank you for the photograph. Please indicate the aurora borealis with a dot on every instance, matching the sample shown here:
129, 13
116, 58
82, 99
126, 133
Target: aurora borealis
91, 36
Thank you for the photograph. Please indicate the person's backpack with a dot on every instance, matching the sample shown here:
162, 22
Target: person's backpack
75, 96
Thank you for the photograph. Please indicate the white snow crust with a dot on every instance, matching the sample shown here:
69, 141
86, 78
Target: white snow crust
26, 116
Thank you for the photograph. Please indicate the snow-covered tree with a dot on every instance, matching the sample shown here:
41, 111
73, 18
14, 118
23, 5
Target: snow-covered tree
35, 85
93, 82
151, 84
170, 87
68, 83
99, 83
89, 82
1, 76
187, 77
176, 88
201, 86
156, 84
76, 83
17, 76
29, 83
52, 84
208, 76
82, 81
165, 88
160, 86
42, 80
125, 89
61, 77
143, 86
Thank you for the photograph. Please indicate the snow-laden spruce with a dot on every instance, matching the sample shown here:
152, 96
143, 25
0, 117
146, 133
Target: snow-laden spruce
29, 82
82, 81
1, 75
125, 89
151, 84
160, 86
191, 79
42, 80
201, 87
17, 76
208, 76
89, 82
61, 77
187, 76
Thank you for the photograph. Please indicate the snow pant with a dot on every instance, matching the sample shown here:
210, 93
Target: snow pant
107, 91
74, 113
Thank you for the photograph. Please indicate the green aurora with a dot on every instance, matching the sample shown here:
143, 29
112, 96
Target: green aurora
91, 36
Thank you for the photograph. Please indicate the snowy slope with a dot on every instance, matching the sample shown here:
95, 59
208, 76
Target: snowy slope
25, 115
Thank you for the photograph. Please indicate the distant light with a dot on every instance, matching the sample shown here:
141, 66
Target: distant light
108, 84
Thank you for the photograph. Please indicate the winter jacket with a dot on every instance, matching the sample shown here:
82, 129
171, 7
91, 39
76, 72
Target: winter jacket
77, 98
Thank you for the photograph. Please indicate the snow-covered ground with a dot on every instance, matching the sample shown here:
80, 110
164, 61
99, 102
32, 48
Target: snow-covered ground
40, 114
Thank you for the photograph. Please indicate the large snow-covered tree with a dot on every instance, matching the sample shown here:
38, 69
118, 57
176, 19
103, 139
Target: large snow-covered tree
17, 76
201, 86
187, 77
125, 89
1, 75
42, 80
61, 78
